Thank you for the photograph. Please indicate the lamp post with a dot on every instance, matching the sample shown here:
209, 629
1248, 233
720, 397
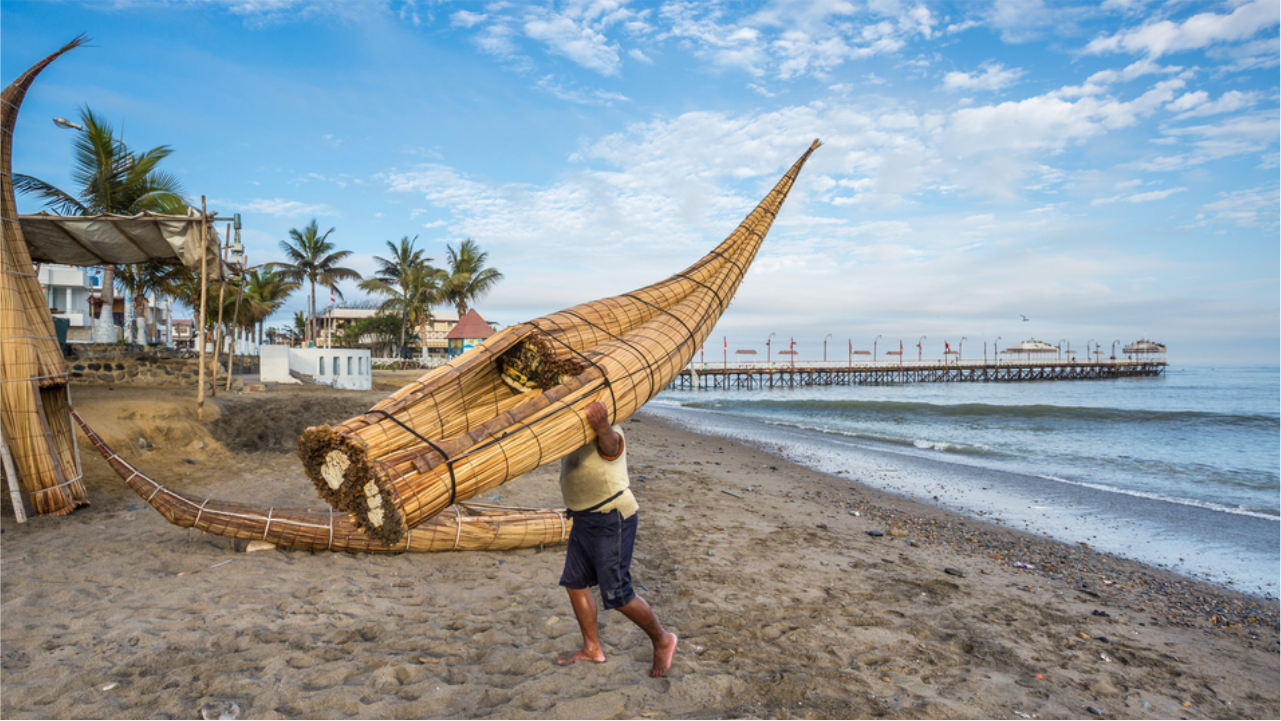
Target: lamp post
919, 350
1118, 340
996, 350
767, 342
1087, 349
829, 335
874, 348
851, 352
1061, 342
960, 347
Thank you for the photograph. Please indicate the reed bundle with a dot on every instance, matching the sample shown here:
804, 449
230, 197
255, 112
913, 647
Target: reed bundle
469, 527
463, 428
34, 400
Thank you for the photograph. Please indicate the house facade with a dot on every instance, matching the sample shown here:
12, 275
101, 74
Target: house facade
75, 294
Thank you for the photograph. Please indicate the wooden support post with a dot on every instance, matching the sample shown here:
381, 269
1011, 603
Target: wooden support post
11, 476
235, 316
222, 294
204, 293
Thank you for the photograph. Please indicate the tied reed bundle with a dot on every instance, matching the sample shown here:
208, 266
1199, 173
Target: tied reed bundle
34, 399
470, 425
470, 527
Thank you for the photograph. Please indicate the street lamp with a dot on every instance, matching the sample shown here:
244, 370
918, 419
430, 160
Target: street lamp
874, 348
1087, 349
1118, 340
960, 347
1061, 342
919, 351
829, 335
996, 351
67, 124
767, 340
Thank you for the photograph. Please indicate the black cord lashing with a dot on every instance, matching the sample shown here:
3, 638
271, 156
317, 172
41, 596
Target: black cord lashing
449, 463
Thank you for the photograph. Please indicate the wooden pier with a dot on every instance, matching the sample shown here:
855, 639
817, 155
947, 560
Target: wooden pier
718, 376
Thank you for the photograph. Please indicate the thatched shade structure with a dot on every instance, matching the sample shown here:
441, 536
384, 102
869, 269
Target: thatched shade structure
463, 428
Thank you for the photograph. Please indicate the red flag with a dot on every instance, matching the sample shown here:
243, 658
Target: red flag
946, 348
331, 296
726, 342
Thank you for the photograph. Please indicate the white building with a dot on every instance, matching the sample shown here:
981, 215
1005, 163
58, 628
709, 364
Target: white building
344, 368
72, 292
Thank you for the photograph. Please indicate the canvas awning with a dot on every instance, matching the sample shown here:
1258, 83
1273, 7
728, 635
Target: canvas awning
120, 239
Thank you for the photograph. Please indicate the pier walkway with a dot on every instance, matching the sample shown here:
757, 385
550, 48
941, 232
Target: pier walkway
713, 376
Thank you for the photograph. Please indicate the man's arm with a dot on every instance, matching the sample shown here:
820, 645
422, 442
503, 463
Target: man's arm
608, 442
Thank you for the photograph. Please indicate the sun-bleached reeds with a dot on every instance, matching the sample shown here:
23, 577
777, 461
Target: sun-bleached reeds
466, 527
463, 429
34, 400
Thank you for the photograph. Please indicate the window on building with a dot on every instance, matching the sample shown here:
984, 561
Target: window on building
349, 359
335, 365
322, 367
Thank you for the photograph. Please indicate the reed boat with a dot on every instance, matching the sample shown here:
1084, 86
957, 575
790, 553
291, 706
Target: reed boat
465, 527
517, 401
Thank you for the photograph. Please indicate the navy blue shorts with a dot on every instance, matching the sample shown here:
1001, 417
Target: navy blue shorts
600, 553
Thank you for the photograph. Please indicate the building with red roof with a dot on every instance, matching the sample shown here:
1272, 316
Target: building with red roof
470, 332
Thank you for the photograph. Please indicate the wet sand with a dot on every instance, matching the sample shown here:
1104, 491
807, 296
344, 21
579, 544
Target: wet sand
785, 605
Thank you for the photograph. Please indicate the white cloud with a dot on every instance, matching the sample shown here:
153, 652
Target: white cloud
1157, 38
1138, 197
636, 54
1253, 207
994, 77
576, 41
467, 19
594, 97
1228, 102
282, 207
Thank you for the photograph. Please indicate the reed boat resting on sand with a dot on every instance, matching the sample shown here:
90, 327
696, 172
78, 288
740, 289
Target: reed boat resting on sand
517, 402
471, 526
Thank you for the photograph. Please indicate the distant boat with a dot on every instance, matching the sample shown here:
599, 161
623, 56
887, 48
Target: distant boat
517, 401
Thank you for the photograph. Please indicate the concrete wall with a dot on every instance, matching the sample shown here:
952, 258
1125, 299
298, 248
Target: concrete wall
344, 368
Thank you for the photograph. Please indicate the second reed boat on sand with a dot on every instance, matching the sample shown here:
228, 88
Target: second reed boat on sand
518, 401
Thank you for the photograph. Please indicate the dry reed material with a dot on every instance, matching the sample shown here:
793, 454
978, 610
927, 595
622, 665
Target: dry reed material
463, 429
34, 399
469, 527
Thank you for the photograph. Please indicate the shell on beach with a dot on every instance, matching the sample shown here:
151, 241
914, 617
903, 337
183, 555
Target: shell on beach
480, 421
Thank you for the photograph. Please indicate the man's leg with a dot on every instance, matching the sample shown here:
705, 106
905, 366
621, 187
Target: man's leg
584, 603
664, 643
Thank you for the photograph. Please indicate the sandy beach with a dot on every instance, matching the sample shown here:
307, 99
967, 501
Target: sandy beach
786, 605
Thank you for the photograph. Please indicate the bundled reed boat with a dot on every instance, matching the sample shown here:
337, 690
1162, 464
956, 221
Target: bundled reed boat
517, 401
469, 527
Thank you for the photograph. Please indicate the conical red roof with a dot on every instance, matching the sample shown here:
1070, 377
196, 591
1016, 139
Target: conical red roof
471, 326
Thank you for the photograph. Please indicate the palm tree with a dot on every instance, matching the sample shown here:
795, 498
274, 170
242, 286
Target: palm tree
142, 279
265, 292
112, 179
312, 258
397, 279
469, 279
411, 297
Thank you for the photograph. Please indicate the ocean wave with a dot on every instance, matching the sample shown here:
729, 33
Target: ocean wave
942, 446
1023, 414
1208, 505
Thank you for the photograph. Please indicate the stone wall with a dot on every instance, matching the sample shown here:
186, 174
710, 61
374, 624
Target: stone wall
115, 364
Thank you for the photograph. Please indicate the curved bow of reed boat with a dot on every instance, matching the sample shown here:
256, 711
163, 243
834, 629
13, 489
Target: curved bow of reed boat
470, 527
517, 401
34, 424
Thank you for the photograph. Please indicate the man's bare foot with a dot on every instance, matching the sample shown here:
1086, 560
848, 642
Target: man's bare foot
663, 652
582, 655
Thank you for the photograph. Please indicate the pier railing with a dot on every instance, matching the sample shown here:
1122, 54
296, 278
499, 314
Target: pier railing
764, 374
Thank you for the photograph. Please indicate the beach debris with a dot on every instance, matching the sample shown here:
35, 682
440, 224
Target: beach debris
699, 650
1145, 704
1094, 710
1083, 635
1105, 657
1028, 566
255, 546
875, 534
735, 495
710, 552
1104, 639
822, 526
898, 533
222, 563
1101, 614
110, 686
425, 660
954, 572
551, 620
221, 710
142, 444
856, 514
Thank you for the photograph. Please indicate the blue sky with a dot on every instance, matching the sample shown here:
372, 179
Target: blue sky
1107, 169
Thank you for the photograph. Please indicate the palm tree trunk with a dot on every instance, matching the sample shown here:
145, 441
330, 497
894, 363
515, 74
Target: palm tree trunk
311, 322
106, 319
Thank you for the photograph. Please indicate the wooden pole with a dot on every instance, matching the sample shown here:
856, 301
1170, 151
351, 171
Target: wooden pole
222, 294
235, 316
11, 476
204, 293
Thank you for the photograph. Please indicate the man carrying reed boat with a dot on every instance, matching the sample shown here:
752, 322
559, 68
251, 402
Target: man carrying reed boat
594, 483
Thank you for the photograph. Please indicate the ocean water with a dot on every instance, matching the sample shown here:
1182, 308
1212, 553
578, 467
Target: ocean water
1180, 471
